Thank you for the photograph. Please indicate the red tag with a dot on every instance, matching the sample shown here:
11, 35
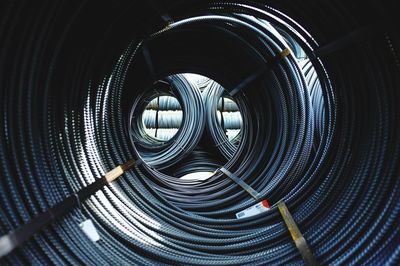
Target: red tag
265, 203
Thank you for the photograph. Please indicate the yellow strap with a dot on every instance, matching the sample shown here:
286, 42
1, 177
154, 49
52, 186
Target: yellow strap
119, 170
290, 223
285, 53
296, 235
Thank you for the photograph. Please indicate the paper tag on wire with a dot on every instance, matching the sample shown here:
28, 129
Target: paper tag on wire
88, 228
258, 208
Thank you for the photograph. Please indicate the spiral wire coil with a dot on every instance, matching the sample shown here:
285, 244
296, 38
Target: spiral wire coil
328, 148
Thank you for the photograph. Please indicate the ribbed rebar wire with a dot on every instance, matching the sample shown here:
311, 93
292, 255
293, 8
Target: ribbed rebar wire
64, 108
161, 154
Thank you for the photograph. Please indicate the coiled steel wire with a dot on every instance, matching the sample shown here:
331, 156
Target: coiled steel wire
67, 73
158, 153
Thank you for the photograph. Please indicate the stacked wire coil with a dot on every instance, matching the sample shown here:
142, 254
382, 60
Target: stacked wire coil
161, 154
64, 123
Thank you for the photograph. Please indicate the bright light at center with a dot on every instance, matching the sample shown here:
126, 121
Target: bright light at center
198, 176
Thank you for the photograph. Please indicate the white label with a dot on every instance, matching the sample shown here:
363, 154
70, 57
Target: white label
253, 210
6, 245
88, 228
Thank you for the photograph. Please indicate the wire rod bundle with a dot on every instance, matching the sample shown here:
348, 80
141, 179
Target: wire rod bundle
140, 119
164, 113
164, 103
158, 153
292, 107
317, 99
165, 119
231, 120
71, 72
200, 81
215, 125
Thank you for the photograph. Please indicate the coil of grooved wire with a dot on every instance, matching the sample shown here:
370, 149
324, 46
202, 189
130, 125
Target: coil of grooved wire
166, 119
67, 73
165, 103
317, 99
231, 120
216, 124
158, 153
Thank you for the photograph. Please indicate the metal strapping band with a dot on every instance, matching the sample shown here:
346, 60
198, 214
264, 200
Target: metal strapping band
296, 235
285, 52
241, 183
